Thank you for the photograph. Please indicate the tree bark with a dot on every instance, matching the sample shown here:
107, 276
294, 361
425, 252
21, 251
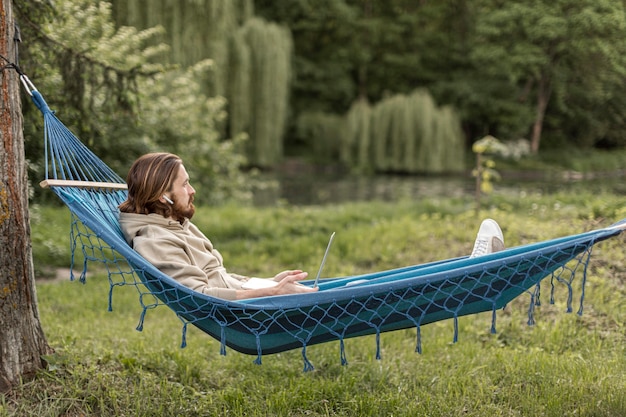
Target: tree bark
22, 341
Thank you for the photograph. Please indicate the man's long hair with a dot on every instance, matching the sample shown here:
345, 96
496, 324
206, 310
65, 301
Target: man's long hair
151, 176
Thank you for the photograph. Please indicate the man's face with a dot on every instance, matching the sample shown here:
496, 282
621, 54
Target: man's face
182, 194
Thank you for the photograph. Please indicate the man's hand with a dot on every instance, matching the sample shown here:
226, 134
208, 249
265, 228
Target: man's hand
291, 275
287, 284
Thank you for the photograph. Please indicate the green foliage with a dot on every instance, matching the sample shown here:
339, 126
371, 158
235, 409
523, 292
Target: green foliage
484, 171
178, 117
252, 59
407, 134
567, 53
88, 71
108, 89
404, 134
196, 30
485, 58
486, 150
586, 163
268, 49
50, 238
322, 133
356, 146
323, 35
544, 69
240, 64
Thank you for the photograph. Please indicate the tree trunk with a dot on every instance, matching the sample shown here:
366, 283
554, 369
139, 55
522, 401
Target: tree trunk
543, 96
22, 341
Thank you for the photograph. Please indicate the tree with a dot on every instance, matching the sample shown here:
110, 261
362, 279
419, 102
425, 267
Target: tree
22, 340
94, 69
323, 36
542, 47
267, 49
366, 50
252, 63
113, 87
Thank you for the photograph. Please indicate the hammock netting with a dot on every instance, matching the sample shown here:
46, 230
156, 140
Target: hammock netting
384, 301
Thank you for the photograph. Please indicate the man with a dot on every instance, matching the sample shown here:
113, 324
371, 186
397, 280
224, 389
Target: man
155, 221
156, 217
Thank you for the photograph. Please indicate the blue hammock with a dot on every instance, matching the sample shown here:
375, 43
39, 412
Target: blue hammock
378, 302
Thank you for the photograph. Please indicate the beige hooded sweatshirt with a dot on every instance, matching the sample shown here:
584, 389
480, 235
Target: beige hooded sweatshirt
182, 252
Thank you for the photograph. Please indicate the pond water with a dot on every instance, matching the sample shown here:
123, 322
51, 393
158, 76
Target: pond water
312, 188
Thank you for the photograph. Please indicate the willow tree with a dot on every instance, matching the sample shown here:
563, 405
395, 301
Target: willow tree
264, 66
355, 147
252, 61
380, 128
401, 137
240, 115
424, 128
22, 341
195, 30
405, 134
321, 132
451, 140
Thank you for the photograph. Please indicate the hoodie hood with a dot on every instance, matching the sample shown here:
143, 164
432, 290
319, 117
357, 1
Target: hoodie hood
132, 223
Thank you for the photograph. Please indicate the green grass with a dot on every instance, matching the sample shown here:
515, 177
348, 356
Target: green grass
556, 161
565, 365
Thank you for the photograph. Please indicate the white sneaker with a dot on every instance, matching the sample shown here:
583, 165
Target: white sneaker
489, 239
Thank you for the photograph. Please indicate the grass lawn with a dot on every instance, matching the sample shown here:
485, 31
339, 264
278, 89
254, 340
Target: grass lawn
564, 365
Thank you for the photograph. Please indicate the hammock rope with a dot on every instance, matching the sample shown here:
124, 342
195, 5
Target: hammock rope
378, 302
